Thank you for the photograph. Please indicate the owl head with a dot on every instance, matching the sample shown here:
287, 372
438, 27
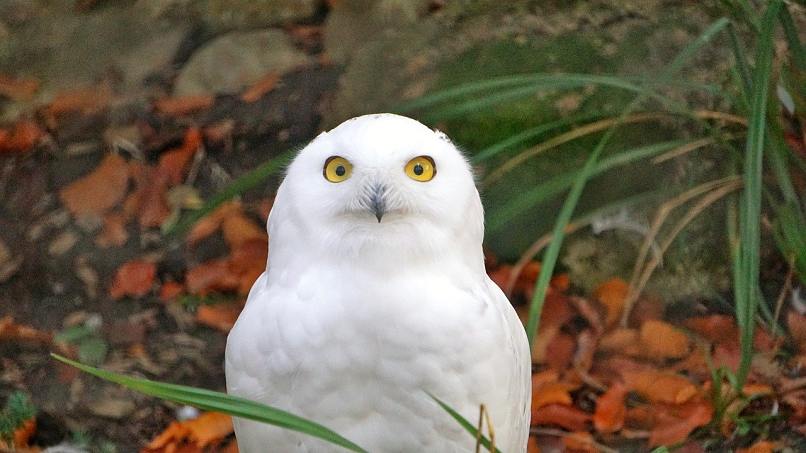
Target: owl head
379, 183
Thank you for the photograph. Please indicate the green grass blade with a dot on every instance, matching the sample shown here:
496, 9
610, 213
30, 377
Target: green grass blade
796, 48
557, 184
746, 285
469, 427
238, 187
514, 140
552, 253
742, 68
219, 402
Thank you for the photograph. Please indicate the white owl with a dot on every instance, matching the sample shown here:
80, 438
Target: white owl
376, 295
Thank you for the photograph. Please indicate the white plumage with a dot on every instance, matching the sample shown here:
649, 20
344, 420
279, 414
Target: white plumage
376, 293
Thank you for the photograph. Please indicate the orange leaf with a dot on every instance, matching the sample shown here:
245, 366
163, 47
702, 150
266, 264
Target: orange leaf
173, 163
568, 417
238, 229
552, 393
219, 316
211, 275
184, 105
659, 387
99, 190
610, 409
85, 100
17, 89
660, 340
148, 203
170, 290
23, 434
134, 279
677, 422
532, 446
624, 341
260, 88
762, 446
24, 135
9, 330
612, 295
560, 351
206, 429
210, 223
716, 328
114, 232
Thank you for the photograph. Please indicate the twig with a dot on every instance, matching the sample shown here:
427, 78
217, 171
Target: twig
787, 286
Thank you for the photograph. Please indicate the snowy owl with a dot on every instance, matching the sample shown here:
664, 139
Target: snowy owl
375, 296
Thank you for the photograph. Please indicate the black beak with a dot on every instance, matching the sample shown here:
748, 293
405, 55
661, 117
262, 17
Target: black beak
377, 202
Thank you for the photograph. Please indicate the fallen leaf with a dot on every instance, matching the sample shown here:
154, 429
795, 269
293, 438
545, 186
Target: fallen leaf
611, 409
568, 417
113, 233
211, 275
612, 294
147, 203
18, 89
11, 331
248, 261
796, 323
238, 229
560, 351
173, 163
552, 393
531, 446
219, 316
133, 279
210, 223
715, 328
207, 429
22, 137
184, 105
99, 190
624, 341
260, 88
762, 446
84, 100
659, 387
660, 340
675, 423
170, 291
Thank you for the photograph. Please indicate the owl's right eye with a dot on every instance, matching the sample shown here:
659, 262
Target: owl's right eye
337, 169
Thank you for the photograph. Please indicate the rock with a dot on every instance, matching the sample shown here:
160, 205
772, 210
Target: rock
235, 60
222, 15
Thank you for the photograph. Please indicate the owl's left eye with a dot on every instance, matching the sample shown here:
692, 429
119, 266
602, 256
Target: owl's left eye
421, 168
337, 169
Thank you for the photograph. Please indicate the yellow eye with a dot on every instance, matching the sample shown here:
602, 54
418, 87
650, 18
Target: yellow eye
421, 168
337, 169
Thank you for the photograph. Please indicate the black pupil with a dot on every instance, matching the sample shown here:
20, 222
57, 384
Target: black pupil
418, 169
340, 170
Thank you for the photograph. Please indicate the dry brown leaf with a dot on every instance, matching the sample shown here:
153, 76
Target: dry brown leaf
580, 442
661, 341
715, 328
238, 229
568, 417
133, 279
22, 137
220, 316
260, 88
552, 393
210, 276
612, 294
170, 291
796, 323
623, 341
114, 232
659, 386
611, 409
85, 100
675, 423
99, 190
210, 223
11, 331
16, 88
184, 105
531, 446
762, 446
173, 164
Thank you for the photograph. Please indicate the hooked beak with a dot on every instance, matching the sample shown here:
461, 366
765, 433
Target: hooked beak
377, 203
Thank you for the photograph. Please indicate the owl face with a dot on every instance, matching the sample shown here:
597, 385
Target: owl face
381, 176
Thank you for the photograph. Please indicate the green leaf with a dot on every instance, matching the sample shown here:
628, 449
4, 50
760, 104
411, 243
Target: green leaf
219, 402
552, 253
747, 261
469, 427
